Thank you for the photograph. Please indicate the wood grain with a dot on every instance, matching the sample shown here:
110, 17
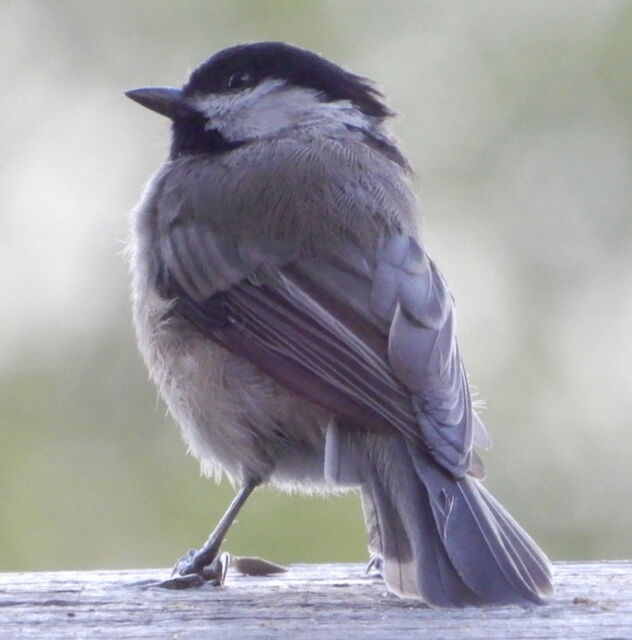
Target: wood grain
592, 600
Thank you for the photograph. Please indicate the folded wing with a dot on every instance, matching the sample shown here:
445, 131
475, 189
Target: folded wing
368, 335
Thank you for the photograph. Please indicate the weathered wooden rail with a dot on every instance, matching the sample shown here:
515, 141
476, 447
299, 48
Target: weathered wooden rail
592, 600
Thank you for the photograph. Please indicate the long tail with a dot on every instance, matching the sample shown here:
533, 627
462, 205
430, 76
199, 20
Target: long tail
447, 541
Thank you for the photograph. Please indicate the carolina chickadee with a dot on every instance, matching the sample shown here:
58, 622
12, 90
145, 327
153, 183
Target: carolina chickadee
298, 330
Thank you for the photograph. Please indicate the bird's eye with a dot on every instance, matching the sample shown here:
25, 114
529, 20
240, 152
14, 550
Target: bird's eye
238, 79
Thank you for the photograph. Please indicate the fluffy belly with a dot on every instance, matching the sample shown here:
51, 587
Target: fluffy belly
234, 418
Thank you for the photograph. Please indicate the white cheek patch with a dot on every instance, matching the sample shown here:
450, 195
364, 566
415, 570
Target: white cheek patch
231, 113
271, 107
216, 105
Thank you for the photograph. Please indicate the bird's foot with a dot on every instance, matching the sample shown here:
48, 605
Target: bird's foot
191, 570
374, 566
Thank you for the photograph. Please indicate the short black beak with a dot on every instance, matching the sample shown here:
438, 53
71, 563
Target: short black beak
166, 101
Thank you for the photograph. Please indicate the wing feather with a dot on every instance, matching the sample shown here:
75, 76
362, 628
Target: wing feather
371, 337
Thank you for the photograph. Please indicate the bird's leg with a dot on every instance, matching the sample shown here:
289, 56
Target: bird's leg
205, 556
204, 565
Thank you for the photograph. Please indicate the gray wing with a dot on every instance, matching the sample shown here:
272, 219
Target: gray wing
369, 336
410, 294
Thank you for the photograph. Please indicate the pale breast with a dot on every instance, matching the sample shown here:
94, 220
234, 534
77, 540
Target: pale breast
233, 417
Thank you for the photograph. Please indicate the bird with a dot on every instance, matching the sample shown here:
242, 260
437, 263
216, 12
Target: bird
288, 310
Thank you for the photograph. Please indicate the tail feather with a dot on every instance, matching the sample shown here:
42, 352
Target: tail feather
536, 568
460, 545
414, 560
388, 539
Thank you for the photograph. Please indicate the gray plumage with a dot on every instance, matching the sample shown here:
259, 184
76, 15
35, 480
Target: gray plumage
301, 335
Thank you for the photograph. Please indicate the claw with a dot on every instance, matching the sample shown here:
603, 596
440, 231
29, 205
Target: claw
189, 581
188, 577
374, 566
196, 568
215, 573
183, 565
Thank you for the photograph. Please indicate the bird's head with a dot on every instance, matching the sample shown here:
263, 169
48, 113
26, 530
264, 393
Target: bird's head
261, 90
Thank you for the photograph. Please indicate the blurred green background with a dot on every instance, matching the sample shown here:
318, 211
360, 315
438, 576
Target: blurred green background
516, 117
